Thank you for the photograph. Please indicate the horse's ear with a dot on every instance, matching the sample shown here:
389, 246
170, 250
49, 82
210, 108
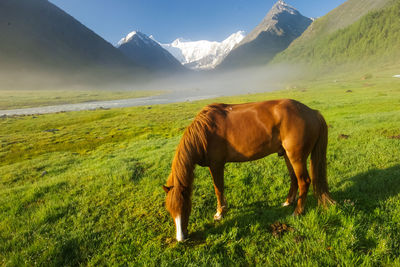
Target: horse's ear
166, 188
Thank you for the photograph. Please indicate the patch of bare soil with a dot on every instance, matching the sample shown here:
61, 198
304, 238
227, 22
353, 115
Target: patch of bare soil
344, 136
278, 229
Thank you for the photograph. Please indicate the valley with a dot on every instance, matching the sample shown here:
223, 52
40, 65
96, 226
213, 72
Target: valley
81, 171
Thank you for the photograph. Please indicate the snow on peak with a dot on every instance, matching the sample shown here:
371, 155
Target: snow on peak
282, 6
130, 35
127, 38
202, 54
135, 36
234, 39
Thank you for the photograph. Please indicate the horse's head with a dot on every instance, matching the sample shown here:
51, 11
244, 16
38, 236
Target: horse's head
179, 205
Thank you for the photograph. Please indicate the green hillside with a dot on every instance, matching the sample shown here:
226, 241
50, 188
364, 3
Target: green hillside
375, 37
341, 17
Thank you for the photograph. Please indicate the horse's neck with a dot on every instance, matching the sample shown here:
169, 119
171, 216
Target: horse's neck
182, 169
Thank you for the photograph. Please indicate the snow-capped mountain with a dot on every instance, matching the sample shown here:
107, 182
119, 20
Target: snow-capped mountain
277, 30
202, 54
142, 49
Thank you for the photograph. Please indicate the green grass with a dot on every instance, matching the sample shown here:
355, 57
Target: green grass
90, 193
13, 99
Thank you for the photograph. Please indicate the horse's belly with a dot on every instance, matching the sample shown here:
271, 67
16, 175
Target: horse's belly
250, 135
252, 148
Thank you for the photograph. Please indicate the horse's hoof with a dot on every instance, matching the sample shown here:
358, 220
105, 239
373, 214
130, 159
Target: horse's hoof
181, 238
297, 213
288, 202
218, 216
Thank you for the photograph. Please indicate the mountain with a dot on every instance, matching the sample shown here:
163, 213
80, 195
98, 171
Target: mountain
202, 54
142, 49
277, 30
356, 30
36, 35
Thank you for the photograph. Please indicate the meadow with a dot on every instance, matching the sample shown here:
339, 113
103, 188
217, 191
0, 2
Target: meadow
85, 188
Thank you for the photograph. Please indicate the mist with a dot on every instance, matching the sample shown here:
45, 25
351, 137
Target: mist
182, 87
215, 83
224, 83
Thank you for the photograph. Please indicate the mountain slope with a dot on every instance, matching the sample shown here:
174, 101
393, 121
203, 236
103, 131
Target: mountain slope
145, 51
203, 54
37, 36
278, 29
356, 29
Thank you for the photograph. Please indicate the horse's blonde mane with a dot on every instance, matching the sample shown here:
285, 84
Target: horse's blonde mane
193, 145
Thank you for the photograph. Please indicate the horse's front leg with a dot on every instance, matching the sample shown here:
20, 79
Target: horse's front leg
217, 173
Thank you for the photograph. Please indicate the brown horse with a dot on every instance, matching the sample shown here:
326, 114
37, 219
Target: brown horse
223, 133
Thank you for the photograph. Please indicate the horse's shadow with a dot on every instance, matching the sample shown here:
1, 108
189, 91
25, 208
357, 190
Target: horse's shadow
243, 217
368, 189
365, 191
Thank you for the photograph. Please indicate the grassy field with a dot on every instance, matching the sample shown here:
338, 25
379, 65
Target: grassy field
84, 188
13, 99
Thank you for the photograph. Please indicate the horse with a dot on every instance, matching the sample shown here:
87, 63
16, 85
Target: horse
222, 133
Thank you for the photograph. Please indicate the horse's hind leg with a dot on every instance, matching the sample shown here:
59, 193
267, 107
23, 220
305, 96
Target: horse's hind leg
217, 173
293, 184
303, 180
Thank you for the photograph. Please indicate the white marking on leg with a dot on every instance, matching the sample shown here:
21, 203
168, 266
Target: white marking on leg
285, 204
179, 234
218, 216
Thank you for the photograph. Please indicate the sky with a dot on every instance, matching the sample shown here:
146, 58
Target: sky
167, 20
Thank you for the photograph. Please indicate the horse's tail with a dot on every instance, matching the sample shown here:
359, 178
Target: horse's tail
318, 165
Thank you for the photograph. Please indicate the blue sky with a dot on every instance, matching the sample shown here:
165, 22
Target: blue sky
167, 20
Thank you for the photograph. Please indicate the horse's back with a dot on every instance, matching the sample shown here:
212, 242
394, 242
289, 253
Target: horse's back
248, 131
254, 130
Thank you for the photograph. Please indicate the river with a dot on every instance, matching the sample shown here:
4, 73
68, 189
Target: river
122, 103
